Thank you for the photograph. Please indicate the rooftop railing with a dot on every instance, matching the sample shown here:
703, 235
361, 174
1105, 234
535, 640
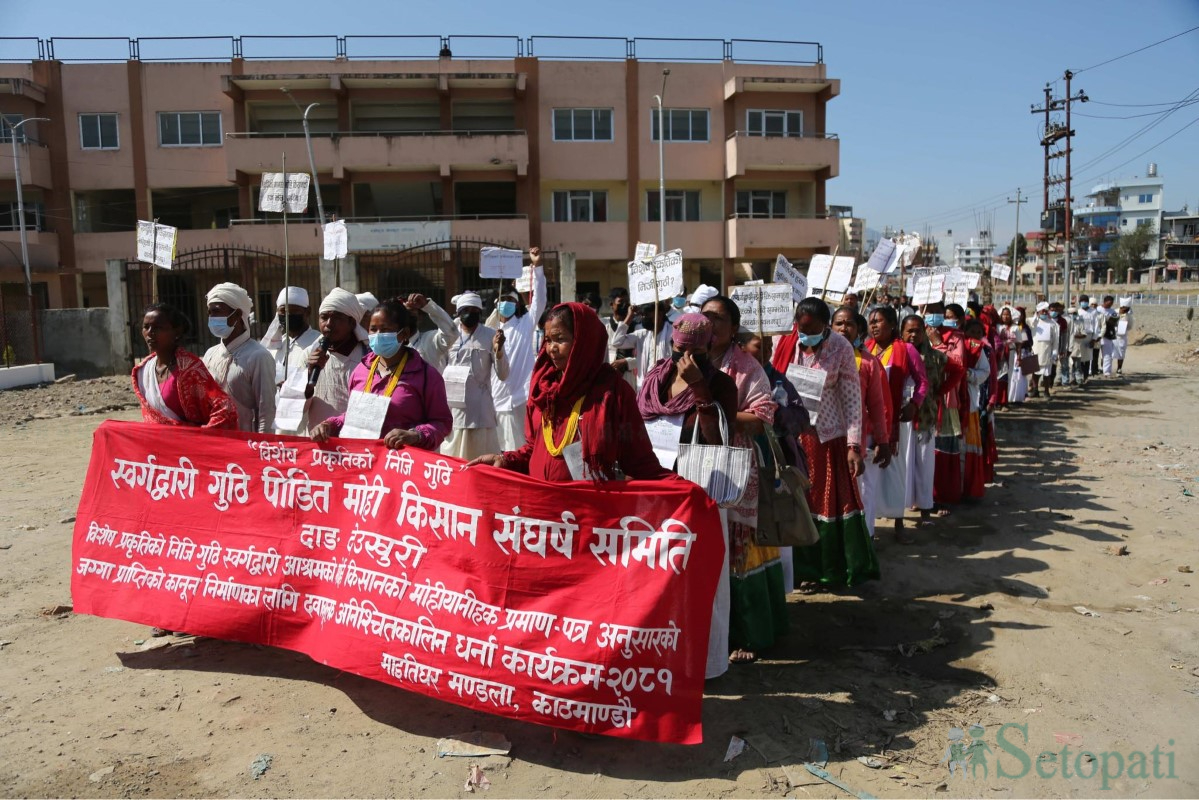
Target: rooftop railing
100, 49
341, 134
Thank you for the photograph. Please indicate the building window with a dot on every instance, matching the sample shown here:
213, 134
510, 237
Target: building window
774, 123
682, 205
762, 203
581, 205
1124, 223
189, 128
6, 131
1145, 198
682, 124
11, 221
98, 131
582, 124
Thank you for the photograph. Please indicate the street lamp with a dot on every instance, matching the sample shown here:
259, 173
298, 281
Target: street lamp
320, 206
16, 162
662, 166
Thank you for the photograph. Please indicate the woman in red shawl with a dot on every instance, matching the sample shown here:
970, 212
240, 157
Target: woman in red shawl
944, 335
577, 398
994, 331
172, 385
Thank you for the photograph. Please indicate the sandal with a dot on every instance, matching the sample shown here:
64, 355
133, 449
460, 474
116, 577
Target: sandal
740, 656
158, 633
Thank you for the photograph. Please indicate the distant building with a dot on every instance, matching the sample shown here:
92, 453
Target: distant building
975, 255
1118, 207
853, 231
1180, 243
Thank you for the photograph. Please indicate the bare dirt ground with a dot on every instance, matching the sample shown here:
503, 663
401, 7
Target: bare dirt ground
974, 625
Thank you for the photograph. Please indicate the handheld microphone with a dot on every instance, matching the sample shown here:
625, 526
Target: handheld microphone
322, 344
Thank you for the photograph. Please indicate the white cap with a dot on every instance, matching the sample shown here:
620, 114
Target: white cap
1042, 306
1125, 302
368, 301
468, 300
703, 294
292, 296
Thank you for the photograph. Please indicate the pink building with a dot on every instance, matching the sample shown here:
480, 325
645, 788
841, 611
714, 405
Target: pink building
557, 150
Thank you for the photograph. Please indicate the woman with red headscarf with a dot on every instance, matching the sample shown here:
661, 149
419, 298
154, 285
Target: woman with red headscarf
578, 400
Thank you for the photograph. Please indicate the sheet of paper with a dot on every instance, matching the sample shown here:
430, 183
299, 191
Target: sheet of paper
883, 253
959, 294
500, 263
156, 244
765, 308
928, 289
866, 279
828, 275
1122, 328
664, 436
364, 416
971, 279
644, 251
666, 268
337, 239
524, 283
271, 194
1001, 272
290, 403
455, 378
809, 382
785, 273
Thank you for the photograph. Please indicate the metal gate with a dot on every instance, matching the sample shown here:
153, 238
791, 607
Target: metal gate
259, 272
439, 270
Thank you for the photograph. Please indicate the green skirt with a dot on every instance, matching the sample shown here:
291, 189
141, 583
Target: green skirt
758, 604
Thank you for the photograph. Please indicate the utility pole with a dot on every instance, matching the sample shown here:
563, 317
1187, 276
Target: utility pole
1015, 260
662, 165
16, 168
1052, 133
1082, 97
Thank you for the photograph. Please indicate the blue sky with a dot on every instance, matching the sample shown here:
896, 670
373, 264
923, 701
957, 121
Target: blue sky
934, 108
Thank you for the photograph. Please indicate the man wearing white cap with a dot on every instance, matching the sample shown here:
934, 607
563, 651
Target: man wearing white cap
289, 332
319, 386
518, 324
368, 302
1120, 342
700, 296
240, 365
1045, 335
436, 331
477, 355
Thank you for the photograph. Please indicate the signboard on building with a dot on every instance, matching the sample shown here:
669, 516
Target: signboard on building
395, 235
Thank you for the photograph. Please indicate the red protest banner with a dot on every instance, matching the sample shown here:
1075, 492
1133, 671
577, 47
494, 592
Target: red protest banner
562, 604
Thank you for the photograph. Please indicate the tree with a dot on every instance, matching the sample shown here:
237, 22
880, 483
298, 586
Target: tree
1128, 251
1021, 247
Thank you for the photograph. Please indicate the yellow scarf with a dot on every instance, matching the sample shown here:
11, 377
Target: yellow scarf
395, 377
572, 427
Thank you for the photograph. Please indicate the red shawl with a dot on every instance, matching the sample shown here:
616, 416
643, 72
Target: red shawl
897, 376
204, 402
784, 351
589, 374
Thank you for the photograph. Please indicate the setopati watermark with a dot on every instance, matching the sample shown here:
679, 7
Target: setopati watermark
1011, 756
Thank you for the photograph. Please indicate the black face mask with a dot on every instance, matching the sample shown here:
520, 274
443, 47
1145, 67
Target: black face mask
621, 310
470, 319
675, 355
293, 323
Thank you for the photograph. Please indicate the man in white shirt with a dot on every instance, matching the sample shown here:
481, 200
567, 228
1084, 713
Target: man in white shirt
1045, 336
1108, 320
240, 365
433, 343
649, 348
289, 332
478, 353
519, 326
1088, 323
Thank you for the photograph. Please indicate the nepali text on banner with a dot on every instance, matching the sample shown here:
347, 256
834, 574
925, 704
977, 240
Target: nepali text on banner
579, 605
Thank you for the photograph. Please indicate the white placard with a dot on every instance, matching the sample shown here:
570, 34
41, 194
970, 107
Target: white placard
1001, 272
785, 273
664, 437
765, 308
828, 275
337, 240
666, 268
909, 247
954, 277
928, 289
270, 195
866, 278
644, 251
156, 243
395, 235
525, 282
884, 253
455, 378
959, 294
365, 414
970, 279
500, 263
290, 402
809, 382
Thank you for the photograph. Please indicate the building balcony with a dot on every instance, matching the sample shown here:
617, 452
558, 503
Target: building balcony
703, 239
337, 153
745, 153
35, 164
1093, 210
789, 235
43, 249
589, 240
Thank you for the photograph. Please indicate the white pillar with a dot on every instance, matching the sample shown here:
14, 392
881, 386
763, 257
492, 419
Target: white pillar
567, 277
118, 316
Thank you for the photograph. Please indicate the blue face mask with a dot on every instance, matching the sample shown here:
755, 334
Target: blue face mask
220, 327
934, 320
1053, 314
385, 345
678, 302
948, 323
1084, 305
507, 308
811, 339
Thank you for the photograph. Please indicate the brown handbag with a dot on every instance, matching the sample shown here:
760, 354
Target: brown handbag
1030, 364
784, 519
